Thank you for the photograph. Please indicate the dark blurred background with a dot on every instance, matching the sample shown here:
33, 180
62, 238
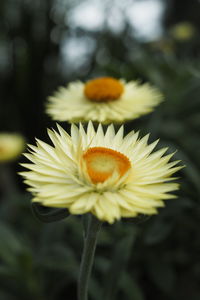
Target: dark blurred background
48, 43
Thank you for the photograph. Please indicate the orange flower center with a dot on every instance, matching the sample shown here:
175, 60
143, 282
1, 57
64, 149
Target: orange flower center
103, 89
102, 162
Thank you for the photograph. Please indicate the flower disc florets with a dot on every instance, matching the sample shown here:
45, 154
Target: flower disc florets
102, 162
103, 89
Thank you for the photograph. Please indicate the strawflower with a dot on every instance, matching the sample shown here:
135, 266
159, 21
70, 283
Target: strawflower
102, 173
11, 146
104, 99
183, 31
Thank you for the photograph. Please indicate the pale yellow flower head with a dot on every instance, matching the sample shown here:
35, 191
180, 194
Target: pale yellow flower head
105, 100
104, 173
11, 146
183, 31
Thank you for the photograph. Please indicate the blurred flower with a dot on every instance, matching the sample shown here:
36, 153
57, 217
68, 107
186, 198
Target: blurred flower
103, 100
11, 146
106, 174
182, 31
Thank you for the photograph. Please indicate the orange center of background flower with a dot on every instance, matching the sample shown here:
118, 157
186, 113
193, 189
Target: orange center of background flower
102, 162
103, 89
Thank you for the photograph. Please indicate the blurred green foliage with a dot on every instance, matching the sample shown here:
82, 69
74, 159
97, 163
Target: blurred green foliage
156, 259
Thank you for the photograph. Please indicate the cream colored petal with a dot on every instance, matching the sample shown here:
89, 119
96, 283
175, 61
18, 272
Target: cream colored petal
83, 137
43, 178
84, 204
154, 190
119, 200
75, 135
44, 163
139, 200
118, 139
63, 143
46, 150
106, 209
90, 132
70, 196
109, 135
99, 138
148, 149
131, 214
129, 140
45, 171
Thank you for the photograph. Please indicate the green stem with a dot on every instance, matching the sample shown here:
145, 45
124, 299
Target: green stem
87, 259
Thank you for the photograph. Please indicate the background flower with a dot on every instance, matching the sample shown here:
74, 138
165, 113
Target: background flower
103, 100
11, 146
183, 31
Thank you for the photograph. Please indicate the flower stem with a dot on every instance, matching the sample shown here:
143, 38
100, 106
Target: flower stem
87, 259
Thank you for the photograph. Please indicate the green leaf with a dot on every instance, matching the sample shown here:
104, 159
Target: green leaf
162, 274
157, 231
130, 288
120, 257
52, 215
11, 244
